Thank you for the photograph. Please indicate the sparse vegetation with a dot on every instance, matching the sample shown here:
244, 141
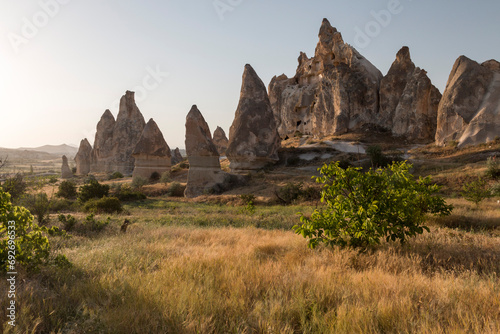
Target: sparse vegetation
115, 176
492, 168
476, 191
175, 189
104, 205
15, 186
138, 182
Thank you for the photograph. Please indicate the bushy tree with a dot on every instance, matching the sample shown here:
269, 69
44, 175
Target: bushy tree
476, 191
15, 186
67, 189
362, 208
93, 189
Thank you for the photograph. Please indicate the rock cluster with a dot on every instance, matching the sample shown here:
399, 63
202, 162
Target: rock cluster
205, 175
408, 101
176, 156
151, 153
469, 112
83, 158
220, 140
253, 137
65, 170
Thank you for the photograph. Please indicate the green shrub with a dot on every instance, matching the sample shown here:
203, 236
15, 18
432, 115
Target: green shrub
105, 204
67, 189
289, 193
68, 222
22, 242
476, 191
492, 168
362, 207
60, 205
15, 186
495, 189
155, 177
249, 201
311, 194
138, 182
91, 224
377, 158
53, 179
175, 189
115, 175
92, 189
165, 177
126, 194
39, 205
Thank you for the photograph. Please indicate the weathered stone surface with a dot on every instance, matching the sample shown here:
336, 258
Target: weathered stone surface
176, 156
83, 158
220, 140
151, 153
65, 170
469, 111
253, 137
408, 101
126, 133
334, 92
102, 153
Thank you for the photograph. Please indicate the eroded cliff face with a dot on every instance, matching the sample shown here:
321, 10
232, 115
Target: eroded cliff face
469, 111
102, 153
334, 92
83, 158
408, 101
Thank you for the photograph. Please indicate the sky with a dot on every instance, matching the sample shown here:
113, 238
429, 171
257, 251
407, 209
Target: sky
64, 62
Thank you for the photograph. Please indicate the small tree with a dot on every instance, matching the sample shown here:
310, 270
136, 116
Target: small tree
476, 191
15, 186
67, 189
362, 207
93, 189
492, 168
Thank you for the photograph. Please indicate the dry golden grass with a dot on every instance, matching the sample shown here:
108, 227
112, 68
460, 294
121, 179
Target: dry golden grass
174, 279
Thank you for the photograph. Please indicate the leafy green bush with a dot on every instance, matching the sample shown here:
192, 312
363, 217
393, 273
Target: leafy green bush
92, 189
68, 222
126, 194
362, 207
39, 205
165, 177
495, 189
105, 204
249, 201
91, 224
138, 182
175, 189
155, 176
377, 158
492, 168
67, 189
289, 193
21, 241
53, 179
60, 205
476, 191
115, 175
15, 186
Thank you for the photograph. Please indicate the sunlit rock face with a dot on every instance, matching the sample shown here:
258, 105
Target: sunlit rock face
102, 153
332, 93
151, 154
220, 140
65, 170
253, 137
83, 158
176, 156
469, 112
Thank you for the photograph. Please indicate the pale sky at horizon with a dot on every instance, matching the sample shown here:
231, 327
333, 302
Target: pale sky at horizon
88, 53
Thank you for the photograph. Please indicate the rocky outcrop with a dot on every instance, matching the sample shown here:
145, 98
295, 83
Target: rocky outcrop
65, 170
469, 112
126, 133
102, 153
176, 157
253, 137
408, 101
334, 92
83, 158
205, 175
151, 154
220, 140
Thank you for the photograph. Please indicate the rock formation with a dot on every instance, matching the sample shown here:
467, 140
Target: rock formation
83, 158
205, 175
469, 112
334, 92
176, 157
102, 153
408, 101
151, 153
220, 140
253, 137
65, 170
126, 133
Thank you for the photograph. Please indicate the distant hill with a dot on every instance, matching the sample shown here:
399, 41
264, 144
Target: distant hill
69, 151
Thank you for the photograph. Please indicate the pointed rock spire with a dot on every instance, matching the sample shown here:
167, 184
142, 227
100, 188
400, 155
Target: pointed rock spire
65, 170
220, 140
103, 143
83, 158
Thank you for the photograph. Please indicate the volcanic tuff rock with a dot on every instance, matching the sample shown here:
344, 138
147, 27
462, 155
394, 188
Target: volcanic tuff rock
83, 158
469, 111
408, 100
151, 153
176, 156
102, 153
126, 133
65, 171
205, 175
253, 137
334, 92
220, 140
